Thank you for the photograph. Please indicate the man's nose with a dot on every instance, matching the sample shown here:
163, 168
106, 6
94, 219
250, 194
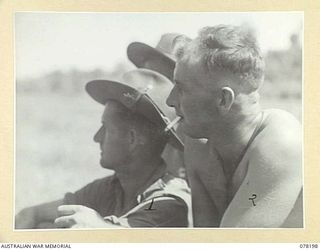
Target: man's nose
97, 136
172, 98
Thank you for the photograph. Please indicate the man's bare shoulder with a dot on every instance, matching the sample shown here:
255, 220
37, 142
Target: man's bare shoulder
281, 118
279, 143
280, 129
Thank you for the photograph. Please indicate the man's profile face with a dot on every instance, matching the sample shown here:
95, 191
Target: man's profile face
113, 138
192, 100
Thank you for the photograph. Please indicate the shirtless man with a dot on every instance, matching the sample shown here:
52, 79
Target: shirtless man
249, 173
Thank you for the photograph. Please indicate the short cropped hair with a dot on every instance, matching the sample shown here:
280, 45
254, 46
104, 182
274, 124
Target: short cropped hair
233, 48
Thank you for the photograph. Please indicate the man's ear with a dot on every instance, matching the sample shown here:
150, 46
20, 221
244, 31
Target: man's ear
227, 99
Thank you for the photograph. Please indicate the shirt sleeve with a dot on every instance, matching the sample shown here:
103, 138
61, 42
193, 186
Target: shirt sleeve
89, 195
163, 212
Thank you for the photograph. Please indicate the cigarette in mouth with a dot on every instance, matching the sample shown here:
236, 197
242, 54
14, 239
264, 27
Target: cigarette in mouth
171, 124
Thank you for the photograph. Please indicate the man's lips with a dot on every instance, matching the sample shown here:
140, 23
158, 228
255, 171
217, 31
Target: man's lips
179, 114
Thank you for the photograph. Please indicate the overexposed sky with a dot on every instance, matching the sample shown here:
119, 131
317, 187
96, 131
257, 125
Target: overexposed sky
46, 41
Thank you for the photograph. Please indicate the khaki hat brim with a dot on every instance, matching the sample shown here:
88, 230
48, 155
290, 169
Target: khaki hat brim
104, 90
139, 53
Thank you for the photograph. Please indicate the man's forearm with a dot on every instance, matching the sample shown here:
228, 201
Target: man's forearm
31, 217
47, 212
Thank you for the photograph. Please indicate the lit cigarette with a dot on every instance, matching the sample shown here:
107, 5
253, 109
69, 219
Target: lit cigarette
171, 124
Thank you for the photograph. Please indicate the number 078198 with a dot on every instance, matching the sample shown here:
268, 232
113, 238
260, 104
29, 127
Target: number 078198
308, 245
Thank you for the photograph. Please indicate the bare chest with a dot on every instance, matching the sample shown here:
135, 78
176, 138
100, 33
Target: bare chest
206, 169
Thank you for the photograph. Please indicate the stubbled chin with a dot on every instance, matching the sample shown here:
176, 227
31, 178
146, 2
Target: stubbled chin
103, 164
192, 133
184, 128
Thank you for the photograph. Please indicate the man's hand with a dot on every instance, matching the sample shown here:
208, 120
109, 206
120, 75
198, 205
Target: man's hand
77, 216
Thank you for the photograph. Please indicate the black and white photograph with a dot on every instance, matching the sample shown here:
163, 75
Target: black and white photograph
158, 120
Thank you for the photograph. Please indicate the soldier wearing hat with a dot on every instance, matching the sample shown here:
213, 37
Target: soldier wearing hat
132, 137
161, 59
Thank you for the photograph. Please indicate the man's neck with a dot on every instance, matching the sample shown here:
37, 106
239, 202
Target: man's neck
232, 138
138, 176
